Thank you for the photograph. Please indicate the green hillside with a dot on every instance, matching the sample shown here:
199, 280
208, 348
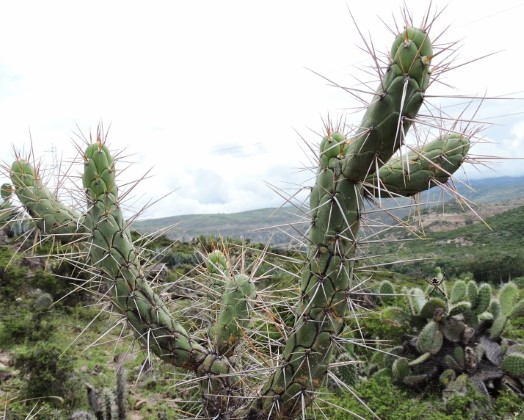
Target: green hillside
279, 225
492, 251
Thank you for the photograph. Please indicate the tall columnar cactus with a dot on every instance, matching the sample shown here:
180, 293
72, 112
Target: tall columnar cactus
350, 167
336, 204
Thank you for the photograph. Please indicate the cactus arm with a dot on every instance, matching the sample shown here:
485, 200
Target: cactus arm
112, 252
234, 314
52, 217
397, 101
421, 169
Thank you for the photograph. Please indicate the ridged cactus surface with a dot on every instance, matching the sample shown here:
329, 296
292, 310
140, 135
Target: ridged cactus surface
52, 216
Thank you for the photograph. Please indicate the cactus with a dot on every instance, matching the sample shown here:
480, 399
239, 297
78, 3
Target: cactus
421, 168
234, 314
52, 216
107, 403
387, 292
462, 334
350, 168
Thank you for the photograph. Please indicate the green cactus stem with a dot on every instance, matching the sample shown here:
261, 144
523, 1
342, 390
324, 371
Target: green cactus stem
397, 102
420, 169
52, 217
113, 253
238, 294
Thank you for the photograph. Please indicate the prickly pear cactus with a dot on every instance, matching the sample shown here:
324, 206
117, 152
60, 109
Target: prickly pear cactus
461, 333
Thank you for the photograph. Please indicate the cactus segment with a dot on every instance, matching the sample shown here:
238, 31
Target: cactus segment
387, 292
517, 311
458, 291
395, 316
336, 203
52, 217
483, 299
513, 365
472, 292
397, 101
430, 338
216, 262
417, 300
430, 308
346, 369
453, 329
6, 191
508, 296
400, 369
459, 308
420, 169
498, 326
113, 253
234, 314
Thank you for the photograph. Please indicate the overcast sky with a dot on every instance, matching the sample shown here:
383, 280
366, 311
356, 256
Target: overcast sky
211, 94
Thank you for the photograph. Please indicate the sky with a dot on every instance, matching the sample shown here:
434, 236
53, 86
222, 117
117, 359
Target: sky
222, 100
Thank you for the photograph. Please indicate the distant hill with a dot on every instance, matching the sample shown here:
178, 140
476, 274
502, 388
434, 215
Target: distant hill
280, 226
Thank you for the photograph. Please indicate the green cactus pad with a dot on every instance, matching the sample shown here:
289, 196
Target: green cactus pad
472, 292
508, 296
430, 338
395, 316
453, 329
400, 369
458, 291
428, 310
518, 310
513, 365
417, 300
387, 292
446, 377
483, 299
459, 308
498, 326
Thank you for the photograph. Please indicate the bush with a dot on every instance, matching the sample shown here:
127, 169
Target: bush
49, 373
